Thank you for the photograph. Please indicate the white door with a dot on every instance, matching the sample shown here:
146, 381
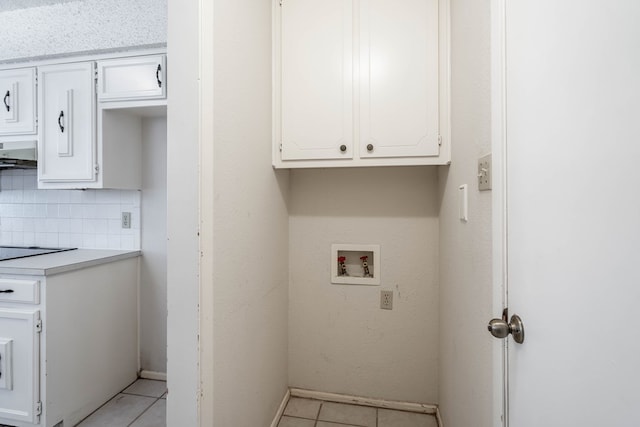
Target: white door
573, 211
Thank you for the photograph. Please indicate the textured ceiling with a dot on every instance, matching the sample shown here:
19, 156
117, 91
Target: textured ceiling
24, 4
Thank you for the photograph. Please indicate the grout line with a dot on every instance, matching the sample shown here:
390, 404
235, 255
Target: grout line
142, 413
318, 414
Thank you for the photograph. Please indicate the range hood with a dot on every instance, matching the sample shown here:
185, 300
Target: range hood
18, 155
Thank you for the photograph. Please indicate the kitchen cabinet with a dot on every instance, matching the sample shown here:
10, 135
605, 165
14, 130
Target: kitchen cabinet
67, 144
18, 108
135, 78
82, 145
360, 83
19, 363
86, 115
68, 336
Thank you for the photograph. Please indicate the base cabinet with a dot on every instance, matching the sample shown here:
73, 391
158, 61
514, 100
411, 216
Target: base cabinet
19, 360
66, 352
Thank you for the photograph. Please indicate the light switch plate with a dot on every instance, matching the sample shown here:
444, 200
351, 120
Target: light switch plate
484, 172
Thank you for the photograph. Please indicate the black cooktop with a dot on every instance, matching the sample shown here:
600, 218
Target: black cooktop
13, 252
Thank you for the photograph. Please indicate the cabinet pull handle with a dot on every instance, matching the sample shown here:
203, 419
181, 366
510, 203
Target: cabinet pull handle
343, 148
8, 291
60, 117
158, 75
6, 104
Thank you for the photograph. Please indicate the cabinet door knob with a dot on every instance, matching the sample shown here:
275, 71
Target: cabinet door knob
158, 75
369, 147
343, 148
6, 104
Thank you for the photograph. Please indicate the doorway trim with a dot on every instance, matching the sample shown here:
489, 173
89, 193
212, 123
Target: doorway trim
499, 206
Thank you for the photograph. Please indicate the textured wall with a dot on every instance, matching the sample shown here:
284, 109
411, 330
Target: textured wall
153, 265
250, 271
81, 26
465, 248
340, 340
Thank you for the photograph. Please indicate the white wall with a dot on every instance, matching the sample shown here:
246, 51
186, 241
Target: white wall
80, 26
153, 265
250, 223
340, 340
466, 298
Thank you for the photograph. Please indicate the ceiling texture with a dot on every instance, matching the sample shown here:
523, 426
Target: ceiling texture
6, 5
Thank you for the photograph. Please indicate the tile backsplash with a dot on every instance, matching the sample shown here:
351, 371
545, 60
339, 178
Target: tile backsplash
65, 218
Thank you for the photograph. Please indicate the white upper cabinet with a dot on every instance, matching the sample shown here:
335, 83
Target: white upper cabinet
135, 78
361, 83
67, 145
316, 80
18, 108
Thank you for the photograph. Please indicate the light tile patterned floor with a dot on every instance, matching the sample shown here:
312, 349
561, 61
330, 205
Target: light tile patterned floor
142, 404
315, 413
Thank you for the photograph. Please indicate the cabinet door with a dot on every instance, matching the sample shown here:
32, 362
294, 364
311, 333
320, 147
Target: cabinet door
398, 78
316, 79
66, 150
141, 77
18, 108
19, 365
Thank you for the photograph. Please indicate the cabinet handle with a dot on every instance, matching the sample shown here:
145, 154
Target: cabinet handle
158, 75
6, 104
60, 117
8, 291
343, 148
369, 147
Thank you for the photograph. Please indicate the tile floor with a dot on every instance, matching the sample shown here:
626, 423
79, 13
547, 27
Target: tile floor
315, 413
142, 404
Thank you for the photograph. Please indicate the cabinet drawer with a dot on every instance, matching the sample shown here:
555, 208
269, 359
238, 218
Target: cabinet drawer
19, 290
137, 78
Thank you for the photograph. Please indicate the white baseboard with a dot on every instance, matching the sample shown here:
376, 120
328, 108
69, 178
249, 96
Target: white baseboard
422, 408
152, 375
283, 405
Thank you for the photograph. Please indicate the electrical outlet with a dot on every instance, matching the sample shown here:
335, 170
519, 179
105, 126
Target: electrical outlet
386, 300
484, 172
126, 219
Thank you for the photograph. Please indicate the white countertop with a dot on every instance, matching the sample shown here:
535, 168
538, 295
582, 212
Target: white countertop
60, 262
